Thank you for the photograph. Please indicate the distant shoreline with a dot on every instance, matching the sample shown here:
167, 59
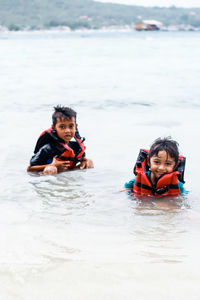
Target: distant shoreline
94, 16
103, 29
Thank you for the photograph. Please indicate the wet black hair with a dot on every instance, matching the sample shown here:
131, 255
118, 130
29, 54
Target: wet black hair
165, 144
62, 112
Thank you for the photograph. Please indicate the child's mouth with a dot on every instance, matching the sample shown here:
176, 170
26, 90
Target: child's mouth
160, 173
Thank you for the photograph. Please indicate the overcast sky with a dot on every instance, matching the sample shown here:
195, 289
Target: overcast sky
178, 3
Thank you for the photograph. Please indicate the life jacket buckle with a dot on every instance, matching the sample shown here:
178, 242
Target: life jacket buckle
162, 190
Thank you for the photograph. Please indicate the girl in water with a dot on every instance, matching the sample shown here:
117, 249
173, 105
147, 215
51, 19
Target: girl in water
159, 171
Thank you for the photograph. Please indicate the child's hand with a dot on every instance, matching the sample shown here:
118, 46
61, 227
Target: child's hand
61, 165
124, 189
86, 163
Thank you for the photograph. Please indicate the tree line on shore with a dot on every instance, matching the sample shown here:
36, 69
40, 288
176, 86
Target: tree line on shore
89, 14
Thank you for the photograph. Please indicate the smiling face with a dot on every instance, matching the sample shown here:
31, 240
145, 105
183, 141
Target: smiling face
160, 164
66, 128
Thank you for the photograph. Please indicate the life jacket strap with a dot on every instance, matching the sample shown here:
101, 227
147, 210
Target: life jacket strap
161, 190
165, 189
65, 158
154, 191
143, 186
141, 157
181, 169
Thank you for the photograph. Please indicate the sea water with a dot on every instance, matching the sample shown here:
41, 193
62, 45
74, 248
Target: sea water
75, 235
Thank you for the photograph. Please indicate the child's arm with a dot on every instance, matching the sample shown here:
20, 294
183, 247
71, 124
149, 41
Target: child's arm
39, 161
86, 163
129, 184
38, 168
60, 165
45, 157
182, 189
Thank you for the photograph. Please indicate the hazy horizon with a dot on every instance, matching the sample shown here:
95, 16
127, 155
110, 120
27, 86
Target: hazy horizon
161, 3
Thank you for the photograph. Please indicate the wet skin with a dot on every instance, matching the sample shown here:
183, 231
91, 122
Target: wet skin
161, 164
66, 129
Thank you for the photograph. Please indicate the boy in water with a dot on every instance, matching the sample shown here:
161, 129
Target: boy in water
60, 148
159, 171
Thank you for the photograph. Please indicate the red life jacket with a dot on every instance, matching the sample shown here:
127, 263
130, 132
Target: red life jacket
66, 152
166, 185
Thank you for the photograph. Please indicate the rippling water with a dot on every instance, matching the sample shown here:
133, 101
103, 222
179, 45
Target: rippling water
74, 235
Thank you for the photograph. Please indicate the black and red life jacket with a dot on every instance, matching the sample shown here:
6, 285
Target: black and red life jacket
73, 154
166, 185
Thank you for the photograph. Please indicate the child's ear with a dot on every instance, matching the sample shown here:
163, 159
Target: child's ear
76, 126
52, 126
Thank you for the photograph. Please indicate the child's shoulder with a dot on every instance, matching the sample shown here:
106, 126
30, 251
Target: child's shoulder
182, 188
129, 184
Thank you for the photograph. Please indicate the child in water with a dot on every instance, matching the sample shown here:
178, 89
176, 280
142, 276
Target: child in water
159, 171
60, 148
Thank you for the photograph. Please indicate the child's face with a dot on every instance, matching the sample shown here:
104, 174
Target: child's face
66, 128
160, 164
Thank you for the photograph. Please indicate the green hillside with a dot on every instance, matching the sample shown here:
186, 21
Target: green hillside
39, 14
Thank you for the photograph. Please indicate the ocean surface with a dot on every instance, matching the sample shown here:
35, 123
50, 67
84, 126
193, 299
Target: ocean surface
75, 235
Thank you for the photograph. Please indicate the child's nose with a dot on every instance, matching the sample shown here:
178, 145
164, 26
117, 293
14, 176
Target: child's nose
161, 167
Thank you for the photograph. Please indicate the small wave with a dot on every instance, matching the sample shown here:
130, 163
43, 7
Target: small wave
163, 123
111, 104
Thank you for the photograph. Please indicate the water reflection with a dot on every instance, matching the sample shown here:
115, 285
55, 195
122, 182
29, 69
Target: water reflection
152, 205
158, 229
63, 194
